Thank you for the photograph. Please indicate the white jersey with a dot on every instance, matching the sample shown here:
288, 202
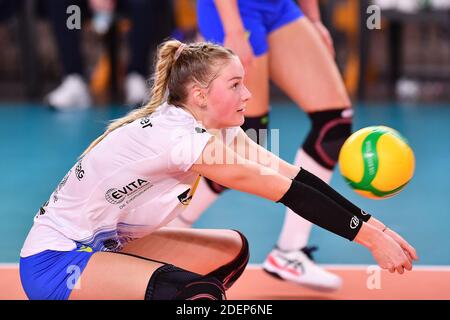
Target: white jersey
133, 182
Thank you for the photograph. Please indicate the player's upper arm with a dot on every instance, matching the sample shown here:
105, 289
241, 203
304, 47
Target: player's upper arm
250, 150
223, 165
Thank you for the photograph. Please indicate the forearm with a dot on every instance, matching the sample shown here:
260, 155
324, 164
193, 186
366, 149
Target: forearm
308, 178
310, 8
250, 150
251, 178
229, 15
318, 208
224, 166
304, 200
270, 160
315, 182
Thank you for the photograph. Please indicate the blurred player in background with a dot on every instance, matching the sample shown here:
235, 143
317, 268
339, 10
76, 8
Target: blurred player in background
145, 16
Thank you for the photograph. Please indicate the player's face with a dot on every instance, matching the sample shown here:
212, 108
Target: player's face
227, 96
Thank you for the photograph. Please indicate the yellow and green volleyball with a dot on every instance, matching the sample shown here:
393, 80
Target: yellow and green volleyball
377, 162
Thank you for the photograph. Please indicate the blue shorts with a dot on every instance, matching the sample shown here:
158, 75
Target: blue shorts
51, 275
260, 18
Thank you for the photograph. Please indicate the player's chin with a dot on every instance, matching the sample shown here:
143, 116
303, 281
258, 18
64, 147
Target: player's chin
238, 119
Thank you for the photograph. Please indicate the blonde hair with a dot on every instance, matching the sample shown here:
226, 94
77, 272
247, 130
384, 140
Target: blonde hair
177, 65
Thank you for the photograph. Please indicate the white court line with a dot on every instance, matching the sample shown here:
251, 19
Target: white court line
9, 265
253, 266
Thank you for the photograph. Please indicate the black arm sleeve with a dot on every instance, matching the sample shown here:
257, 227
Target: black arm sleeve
319, 209
311, 180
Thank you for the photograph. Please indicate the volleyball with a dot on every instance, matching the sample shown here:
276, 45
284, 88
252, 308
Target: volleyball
377, 162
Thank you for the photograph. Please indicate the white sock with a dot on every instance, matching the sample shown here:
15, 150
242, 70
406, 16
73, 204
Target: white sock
201, 200
296, 230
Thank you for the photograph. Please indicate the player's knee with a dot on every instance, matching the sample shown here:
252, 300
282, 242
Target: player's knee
230, 272
329, 130
172, 283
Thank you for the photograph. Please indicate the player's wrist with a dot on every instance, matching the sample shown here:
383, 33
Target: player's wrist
368, 236
377, 224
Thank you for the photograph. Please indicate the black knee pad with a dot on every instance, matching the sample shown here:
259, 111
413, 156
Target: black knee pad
251, 127
229, 273
172, 283
328, 133
254, 127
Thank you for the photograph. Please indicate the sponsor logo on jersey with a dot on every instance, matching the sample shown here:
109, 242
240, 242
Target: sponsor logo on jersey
79, 172
145, 122
129, 192
84, 248
42, 209
60, 186
185, 198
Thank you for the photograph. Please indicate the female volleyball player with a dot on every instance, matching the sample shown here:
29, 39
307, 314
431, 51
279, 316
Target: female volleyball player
100, 234
275, 39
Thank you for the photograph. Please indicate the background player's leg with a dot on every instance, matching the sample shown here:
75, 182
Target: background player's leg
302, 67
73, 92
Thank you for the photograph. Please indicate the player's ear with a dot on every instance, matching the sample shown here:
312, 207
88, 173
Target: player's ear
199, 96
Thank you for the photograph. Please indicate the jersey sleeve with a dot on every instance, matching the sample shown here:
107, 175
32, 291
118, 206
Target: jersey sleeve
186, 149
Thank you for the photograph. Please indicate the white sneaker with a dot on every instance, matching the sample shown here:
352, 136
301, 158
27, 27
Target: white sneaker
297, 266
72, 94
136, 92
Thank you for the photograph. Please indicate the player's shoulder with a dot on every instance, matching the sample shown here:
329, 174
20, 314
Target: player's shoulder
167, 123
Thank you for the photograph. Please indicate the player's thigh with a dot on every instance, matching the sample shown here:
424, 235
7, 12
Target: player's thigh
197, 250
114, 276
257, 82
256, 75
303, 68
